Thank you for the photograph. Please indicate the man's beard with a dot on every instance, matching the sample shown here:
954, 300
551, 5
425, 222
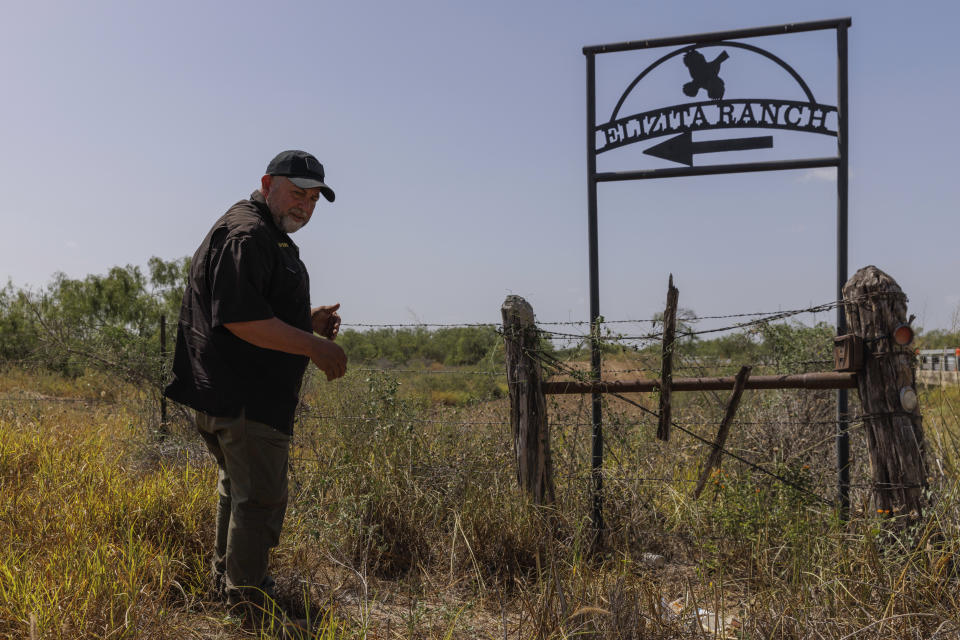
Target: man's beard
287, 223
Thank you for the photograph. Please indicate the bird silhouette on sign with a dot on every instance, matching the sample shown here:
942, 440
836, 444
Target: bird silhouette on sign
705, 74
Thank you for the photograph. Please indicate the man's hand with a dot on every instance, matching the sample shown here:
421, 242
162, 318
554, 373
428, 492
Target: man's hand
329, 358
326, 321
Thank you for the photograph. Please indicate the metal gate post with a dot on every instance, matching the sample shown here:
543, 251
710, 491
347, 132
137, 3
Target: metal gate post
843, 436
596, 462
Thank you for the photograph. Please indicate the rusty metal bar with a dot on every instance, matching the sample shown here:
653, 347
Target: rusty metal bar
820, 380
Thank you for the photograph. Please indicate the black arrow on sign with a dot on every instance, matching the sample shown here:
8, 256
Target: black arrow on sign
682, 147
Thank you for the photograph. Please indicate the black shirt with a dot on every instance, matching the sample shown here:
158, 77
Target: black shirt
245, 269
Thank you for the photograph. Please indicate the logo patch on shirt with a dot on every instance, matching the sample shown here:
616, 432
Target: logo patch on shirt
283, 244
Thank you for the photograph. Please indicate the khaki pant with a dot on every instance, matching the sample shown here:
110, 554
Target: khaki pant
252, 458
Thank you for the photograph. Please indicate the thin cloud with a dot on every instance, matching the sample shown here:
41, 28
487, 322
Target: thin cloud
821, 174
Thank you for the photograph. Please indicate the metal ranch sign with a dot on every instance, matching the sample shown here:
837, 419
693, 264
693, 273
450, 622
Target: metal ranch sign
702, 64
807, 116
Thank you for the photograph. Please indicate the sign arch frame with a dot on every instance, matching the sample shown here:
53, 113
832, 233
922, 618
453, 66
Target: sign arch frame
839, 161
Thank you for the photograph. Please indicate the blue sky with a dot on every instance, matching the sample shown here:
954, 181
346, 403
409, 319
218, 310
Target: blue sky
454, 136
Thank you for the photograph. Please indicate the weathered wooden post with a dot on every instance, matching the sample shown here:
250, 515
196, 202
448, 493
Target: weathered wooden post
666, 367
713, 461
528, 406
163, 368
875, 307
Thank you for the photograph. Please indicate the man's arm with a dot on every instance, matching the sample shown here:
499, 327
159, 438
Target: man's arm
276, 334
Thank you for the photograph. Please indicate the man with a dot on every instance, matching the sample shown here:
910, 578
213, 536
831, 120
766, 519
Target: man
244, 339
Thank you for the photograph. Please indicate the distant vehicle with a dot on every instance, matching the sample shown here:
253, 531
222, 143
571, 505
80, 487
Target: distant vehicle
938, 366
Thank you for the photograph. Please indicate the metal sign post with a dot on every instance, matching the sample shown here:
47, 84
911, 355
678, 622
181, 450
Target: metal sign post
704, 75
596, 463
843, 419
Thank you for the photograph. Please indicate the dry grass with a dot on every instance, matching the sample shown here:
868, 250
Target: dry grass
406, 522
97, 543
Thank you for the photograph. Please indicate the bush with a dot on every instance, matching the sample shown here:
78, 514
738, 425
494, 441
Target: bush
111, 322
454, 346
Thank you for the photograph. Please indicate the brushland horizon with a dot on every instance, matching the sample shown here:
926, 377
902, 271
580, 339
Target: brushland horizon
406, 520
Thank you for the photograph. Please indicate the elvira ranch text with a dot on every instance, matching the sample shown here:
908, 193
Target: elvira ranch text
795, 115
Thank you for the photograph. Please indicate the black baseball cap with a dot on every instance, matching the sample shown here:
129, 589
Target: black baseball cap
302, 169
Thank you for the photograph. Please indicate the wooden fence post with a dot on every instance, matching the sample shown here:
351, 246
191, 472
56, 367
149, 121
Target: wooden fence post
875, 306
528, 405
163, 368
668, 348
713, 461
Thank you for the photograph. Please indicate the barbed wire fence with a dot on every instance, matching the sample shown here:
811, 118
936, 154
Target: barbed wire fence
706, 408
785, 442
781, 437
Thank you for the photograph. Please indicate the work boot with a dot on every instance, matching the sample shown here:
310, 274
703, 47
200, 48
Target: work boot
295, 629
258, 609
218, 586
274, 624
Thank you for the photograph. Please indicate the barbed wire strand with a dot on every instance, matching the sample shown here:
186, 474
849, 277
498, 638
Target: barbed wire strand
547, 359
697, 318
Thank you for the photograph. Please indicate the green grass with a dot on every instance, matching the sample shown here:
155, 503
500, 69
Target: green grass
97, 541
406, 521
